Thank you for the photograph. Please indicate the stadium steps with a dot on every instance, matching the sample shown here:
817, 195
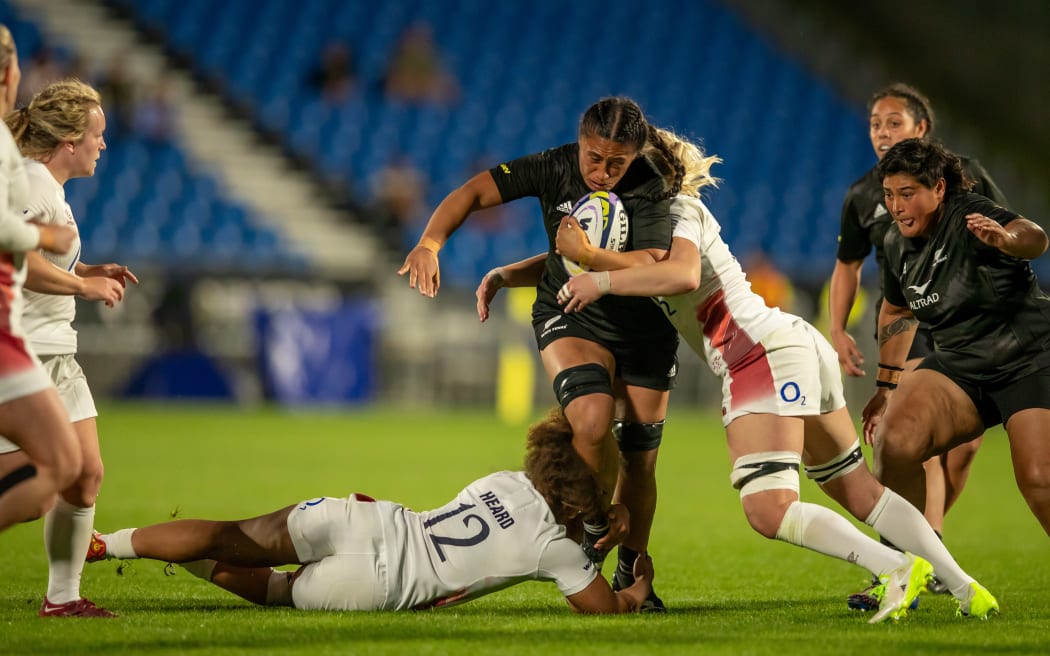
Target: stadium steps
254, 173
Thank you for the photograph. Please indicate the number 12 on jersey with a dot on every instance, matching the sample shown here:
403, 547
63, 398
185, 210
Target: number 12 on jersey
469, 541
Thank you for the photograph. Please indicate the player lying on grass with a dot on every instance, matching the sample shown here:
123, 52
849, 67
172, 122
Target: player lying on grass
362, 554
783, 404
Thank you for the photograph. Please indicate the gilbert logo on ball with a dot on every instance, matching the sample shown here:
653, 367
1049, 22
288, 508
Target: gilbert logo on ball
604, 220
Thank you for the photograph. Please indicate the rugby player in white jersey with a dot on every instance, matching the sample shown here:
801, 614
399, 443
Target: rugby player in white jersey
60, 133
782, 403
30, 411
361, 554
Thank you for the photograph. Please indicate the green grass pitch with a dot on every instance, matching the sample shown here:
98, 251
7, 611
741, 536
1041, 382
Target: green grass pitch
729, 590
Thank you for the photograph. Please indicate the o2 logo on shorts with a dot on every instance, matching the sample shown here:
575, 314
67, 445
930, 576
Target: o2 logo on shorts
311, 503
791, 393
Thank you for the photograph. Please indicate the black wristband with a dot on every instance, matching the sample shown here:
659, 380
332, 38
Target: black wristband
886, 384
890, 367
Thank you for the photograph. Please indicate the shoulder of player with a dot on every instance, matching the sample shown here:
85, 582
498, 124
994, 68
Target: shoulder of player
642, 180
965, 203
689, 208
865, 184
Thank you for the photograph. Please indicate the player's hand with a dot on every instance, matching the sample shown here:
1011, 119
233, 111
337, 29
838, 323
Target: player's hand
107, 290
619, 526
571, 241
850, 357
423, 271
490, 285
55, 238
117, 272
643, 567
988, 231
582, 290
872, 413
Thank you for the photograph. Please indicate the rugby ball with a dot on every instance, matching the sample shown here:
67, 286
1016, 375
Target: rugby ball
604, 219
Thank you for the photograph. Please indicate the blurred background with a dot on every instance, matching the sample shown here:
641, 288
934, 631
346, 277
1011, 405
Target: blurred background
270, 162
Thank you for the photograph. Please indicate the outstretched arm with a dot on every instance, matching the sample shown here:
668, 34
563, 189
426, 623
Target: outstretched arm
421, 264
598, 597
525, 273
678, 273
1019, 238
44, 277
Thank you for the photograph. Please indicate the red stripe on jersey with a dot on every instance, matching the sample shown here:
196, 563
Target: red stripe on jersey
749, 372
14, 357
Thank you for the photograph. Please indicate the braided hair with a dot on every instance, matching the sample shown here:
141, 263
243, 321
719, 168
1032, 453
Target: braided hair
620, 119
918, 105
59, 113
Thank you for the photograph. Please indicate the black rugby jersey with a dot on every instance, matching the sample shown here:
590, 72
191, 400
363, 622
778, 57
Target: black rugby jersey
554, 177
865, 218
989, 319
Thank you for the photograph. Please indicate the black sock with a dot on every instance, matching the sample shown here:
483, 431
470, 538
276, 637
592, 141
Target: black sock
625, 564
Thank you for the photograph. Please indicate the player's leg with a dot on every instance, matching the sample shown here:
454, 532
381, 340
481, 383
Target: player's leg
928, 414
638, 437
766, 452
933, 468
256, 542
646, 375
581, 373
37, 423
936, 489
260, 585
956, 466
68, 526
845, 477
1029, 432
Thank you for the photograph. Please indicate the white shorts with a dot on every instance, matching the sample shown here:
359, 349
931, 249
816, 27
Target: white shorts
67, 376
341, 542
792, 372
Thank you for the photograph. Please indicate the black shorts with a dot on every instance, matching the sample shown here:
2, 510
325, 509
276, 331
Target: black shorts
997, 403
649, 364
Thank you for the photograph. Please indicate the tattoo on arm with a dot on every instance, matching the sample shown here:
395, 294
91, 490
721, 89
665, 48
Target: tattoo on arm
896, 327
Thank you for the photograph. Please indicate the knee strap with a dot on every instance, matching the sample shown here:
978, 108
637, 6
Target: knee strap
636, 436
23, 473
840, 465
581, 380
769, 470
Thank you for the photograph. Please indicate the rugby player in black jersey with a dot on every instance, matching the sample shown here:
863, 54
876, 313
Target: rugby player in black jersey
958, 262
617, 358
897, 112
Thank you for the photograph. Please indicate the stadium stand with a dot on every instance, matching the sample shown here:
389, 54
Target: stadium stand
782, 185
147, 204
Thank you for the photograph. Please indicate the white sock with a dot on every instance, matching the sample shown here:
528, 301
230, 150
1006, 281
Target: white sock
118, 544
825, 531
902, 524
67, 533
202, 569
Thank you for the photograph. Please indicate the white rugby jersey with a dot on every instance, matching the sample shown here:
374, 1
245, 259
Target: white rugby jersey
16, 236
722, 319
497, 532
48, 318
